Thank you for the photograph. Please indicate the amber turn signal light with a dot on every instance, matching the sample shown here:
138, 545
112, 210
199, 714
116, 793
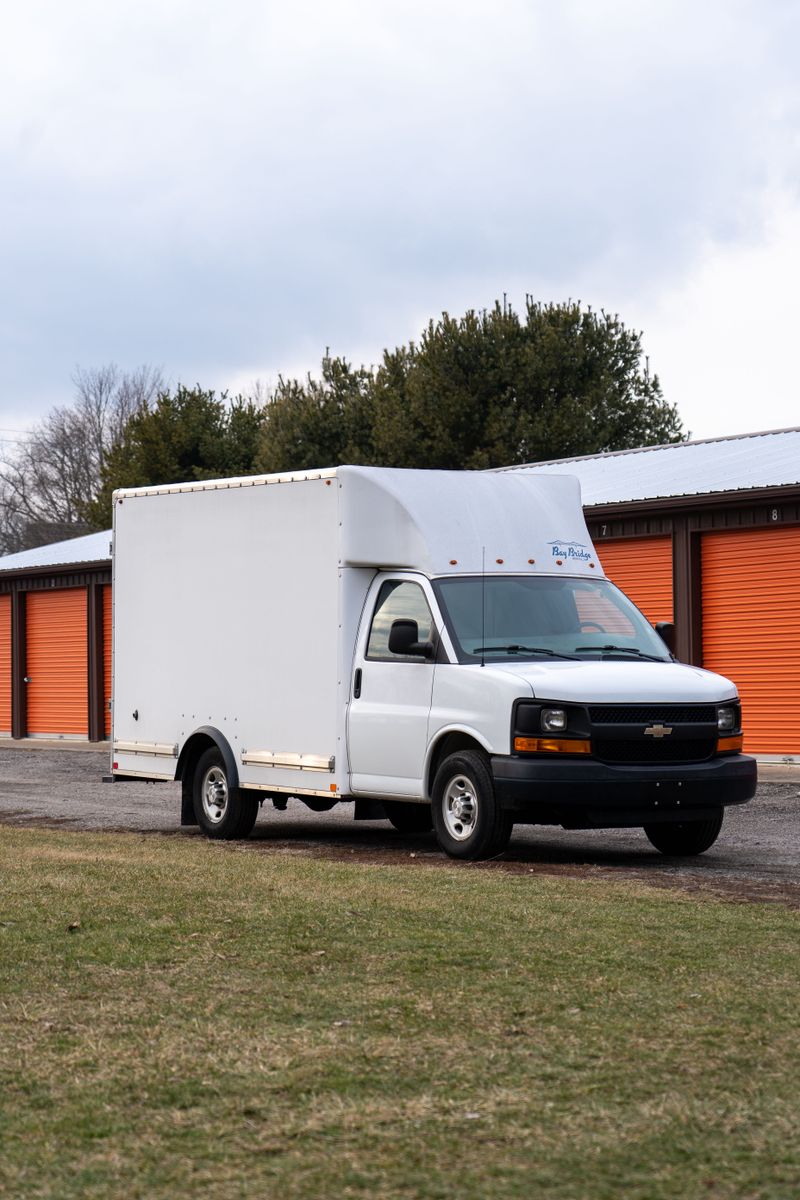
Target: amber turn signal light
526, 745
734, 743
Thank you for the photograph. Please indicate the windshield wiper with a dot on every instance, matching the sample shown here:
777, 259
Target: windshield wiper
515, 649
622, 650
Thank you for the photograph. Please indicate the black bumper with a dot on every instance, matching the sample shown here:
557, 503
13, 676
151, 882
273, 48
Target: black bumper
594, 795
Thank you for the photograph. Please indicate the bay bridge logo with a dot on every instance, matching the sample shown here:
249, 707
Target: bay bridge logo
570, 550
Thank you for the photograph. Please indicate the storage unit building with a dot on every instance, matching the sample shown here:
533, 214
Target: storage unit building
704, 533
707, 534
55, 640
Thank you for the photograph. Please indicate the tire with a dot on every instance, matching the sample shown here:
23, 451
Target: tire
685, 837
468, 820
409, 818
223, 812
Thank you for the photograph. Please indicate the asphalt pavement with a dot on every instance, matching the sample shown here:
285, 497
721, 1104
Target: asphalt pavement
757, 855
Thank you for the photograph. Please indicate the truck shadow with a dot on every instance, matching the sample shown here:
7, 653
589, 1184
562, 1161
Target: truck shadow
529, 846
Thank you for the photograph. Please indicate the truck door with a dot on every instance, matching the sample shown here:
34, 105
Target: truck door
390, 696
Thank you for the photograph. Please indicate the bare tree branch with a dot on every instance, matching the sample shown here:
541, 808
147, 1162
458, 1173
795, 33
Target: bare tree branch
48, 481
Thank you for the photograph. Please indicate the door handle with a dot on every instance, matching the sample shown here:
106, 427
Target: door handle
357, 684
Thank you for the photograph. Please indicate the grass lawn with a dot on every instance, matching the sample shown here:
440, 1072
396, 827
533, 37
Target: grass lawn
225, 1021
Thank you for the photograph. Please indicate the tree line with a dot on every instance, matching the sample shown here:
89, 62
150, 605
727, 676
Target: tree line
488, 389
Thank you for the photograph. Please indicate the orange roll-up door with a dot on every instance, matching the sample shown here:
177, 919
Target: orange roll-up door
642, 568
5, 664
107, 656
751, 629
57, 662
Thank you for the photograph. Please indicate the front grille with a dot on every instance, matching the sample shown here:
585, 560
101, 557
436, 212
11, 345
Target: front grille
666, 714
645, 750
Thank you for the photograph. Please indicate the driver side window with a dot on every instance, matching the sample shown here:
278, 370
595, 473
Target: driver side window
398, 599
599, 614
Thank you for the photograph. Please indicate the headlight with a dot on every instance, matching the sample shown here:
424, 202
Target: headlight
727, 719
554, 720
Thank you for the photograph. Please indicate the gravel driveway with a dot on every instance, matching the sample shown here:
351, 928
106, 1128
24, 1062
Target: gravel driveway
757, 855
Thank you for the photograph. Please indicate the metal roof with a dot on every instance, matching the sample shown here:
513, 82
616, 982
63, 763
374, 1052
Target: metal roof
728, 464
710, 466
94, 547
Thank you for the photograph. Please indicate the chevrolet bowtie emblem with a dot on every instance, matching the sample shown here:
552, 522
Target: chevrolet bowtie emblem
658, 731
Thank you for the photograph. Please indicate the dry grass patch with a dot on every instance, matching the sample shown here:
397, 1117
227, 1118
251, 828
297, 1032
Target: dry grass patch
248, 1025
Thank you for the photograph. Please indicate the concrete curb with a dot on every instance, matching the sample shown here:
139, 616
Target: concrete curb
55, 744
775, 772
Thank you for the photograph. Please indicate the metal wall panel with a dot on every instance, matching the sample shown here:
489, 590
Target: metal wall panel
642, 568
57, 662
107, 658
5, 664
751, 629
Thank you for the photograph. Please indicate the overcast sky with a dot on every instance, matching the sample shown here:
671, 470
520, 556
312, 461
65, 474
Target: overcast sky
224, 189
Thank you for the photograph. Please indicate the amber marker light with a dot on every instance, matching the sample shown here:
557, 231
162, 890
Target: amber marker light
453, 562
531, 561
730, 743
499, 560
526, 745
332, 787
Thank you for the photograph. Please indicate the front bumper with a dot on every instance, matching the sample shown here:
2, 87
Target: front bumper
595, 795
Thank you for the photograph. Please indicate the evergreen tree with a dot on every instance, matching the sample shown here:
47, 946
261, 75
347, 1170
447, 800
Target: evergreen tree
319, 423
483, 390
186, 435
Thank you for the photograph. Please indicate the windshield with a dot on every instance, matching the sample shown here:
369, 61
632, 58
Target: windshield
516, 617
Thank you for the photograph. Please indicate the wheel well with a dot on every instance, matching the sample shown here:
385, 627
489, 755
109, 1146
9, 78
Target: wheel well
193, 748
451, 743
196, 745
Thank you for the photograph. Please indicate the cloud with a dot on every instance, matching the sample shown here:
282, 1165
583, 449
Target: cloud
728, 334
224, 189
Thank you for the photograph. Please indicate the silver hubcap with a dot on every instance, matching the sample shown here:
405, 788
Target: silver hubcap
215, 794
460, 808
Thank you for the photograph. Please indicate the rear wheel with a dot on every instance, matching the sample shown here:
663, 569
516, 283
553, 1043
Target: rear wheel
468, 820
685, 837
222, 811
409, 818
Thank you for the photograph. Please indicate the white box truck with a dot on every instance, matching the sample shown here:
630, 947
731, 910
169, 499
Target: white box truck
438, 648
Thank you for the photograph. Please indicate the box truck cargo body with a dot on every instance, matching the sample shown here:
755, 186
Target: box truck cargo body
434, 647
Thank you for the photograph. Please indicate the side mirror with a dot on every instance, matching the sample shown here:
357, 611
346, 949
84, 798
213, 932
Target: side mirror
666, 631
404, 639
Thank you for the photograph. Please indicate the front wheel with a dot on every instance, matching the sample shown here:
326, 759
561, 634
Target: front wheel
468, 820
685, 837
222, 811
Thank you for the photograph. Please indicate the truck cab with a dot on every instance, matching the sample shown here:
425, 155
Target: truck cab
546, 696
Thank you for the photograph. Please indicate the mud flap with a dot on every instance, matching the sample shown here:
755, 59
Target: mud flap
187, 802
